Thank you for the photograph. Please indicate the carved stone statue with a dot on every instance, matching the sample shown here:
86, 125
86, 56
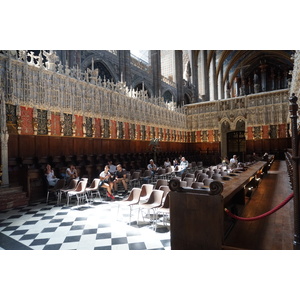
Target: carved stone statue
52, 59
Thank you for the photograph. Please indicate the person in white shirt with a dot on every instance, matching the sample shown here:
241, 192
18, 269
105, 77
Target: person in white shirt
106, 182
167, 163
52, 179
152, 166
233, 163
183, 165
71, 173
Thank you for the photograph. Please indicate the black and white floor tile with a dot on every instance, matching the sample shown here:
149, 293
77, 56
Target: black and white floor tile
95, 226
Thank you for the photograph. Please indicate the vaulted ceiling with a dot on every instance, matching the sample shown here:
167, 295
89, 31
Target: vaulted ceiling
246, 62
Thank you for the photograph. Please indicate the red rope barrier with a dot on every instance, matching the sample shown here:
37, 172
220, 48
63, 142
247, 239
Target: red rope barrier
264, 214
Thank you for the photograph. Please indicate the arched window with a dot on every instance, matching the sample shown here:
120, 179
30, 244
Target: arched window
167, 96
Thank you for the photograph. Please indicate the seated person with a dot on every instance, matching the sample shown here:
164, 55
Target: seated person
112, 168
254, 157
152, 166
183, 166
225, 161
120, 176
71, 173
51, 178
265, 156
233, 163
175, 164
167, 163
106, 182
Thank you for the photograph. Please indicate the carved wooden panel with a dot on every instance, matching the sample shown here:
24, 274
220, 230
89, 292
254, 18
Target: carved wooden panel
88, 127
42, 128
11, 119
68, 125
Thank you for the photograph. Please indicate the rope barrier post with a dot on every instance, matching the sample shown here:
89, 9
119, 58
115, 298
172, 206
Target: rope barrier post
293, 108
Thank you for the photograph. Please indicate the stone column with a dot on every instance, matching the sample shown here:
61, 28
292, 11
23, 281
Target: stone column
156, 72
285, 85
4, 141
242, 89
179, 76
221, 94
124, 66
72, 58
204, 76
194, 69
263, 76
256, 85
250, 90
272, 79
278, 80
236, 86
213, 79
78, 58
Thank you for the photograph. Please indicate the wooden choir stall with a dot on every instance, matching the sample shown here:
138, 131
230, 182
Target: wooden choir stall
197, 217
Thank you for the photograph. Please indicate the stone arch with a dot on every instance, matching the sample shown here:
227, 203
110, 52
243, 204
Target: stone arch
237, 123
98, 59
137, 85
168, 96
187, 99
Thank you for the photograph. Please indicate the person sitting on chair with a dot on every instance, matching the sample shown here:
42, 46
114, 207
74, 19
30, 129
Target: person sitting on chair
112, 167
71, 173
233, 163
152, 166
51, 178
120, 176
167, 163
105, 181
183, 166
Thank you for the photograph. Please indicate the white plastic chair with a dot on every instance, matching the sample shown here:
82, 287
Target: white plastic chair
132, 200
79, 192
93, 190
146, 192
153, 203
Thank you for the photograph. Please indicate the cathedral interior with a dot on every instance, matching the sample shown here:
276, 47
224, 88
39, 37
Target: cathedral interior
87, 107
209, 103
90, 106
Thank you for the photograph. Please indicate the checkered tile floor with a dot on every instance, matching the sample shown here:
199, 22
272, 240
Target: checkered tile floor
97, 226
